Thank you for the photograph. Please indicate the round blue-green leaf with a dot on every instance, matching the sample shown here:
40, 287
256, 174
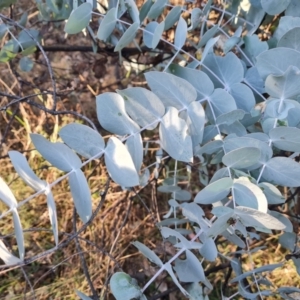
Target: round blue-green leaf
143, 106
180, 33
26, 64
124, 287
79, 18
274, 7
277, 61
215, 191
152, 34
156, 9
283, 171
107, 25
127, 37
81, 194
112, 115
242, 158
286, 85
58, 154
119, 163
83, 139
172, 17
286, 138
290, 39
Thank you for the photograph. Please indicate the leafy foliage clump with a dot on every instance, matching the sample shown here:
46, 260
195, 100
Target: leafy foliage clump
224, 100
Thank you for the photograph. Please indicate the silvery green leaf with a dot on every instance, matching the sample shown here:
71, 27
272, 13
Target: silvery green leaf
25, 172
215, 191
81, 194
134, 145
227, 70
79, 18
282, 171
266, 268
233, 238
192, 264
198, 79
82, 295
230, 43
283, 219
172, 17
170, 89
222, 102
254, 218
253, 79
7, 257
6, 195
220, 225
293, 9
107, 25
194, 116
243, 96
193, 212
156, 9
284, 86
288, 240
242, 158
286, 23
211, 147
196, 15
259, 136
112, 115
168, 268
290, 39
119, 163
218, 211
180, 33
58, 154
272, 193
274, 7
286, 138
223, 172
248, 194
288, 292
144, 10
236, 143
26, 40
168, 188
209, 250
210, 131
171, 221
196, 292
184, 243
26, 64
124, 287
133, 10
230, 117
217, 158
152, 34
208, 49
148, 253
174, 138
52, 214
208, 35
182, 195
277, 61
235, 128
143, 106
296, 262
19, 233
254, 46
127, 37
276, 108
83, 139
